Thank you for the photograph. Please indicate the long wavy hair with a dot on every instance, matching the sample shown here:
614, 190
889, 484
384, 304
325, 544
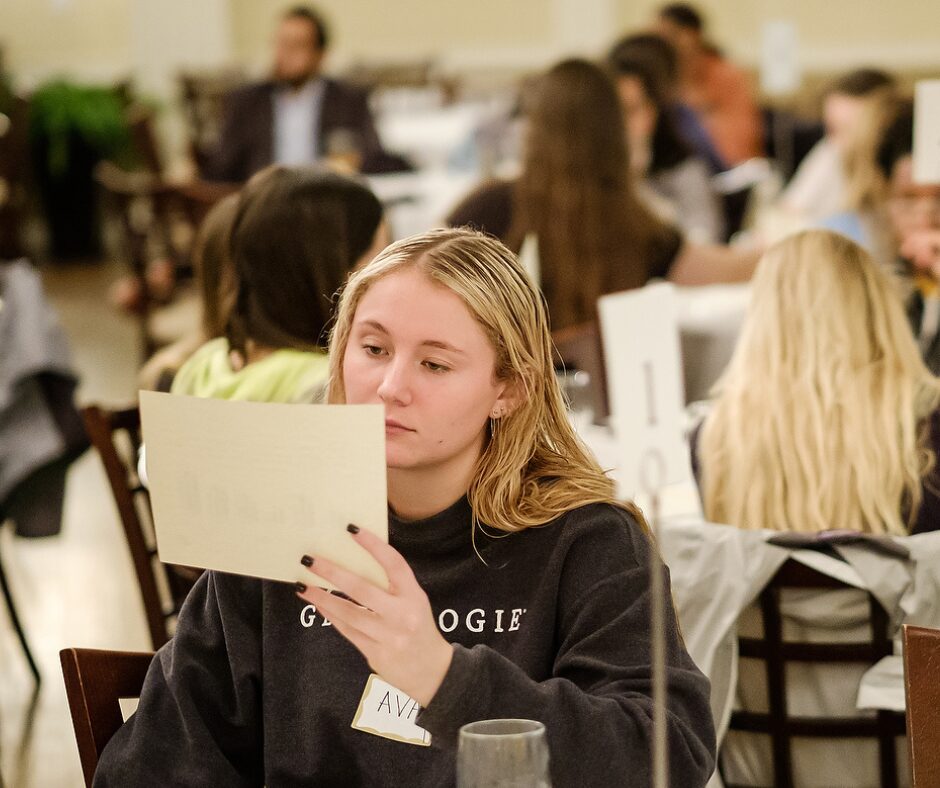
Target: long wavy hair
533, 468
576, 194
822, 417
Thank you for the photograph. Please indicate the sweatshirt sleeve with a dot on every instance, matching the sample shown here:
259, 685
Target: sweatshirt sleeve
198, 721
597, 706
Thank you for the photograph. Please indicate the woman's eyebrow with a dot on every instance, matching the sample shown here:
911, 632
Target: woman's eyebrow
441, 345
374, 324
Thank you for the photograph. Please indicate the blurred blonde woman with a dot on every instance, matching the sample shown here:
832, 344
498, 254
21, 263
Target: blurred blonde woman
826, 416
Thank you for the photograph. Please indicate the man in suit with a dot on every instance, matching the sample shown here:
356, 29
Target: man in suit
298, 116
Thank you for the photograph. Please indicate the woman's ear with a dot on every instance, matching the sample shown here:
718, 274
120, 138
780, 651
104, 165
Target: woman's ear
508, 400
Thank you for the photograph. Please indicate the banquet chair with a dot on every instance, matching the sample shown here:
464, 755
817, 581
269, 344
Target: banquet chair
579, 348
777, 652
154, 215
922, 692
115, 434
95, 681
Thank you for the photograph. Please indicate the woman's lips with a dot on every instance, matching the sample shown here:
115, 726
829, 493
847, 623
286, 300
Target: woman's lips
393, 426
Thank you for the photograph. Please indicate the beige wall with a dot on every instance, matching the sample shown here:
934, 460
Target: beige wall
87, 38
95, 38
834, 34
406, 29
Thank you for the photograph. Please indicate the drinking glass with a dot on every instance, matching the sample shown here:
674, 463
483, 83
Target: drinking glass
503, 754
578, 390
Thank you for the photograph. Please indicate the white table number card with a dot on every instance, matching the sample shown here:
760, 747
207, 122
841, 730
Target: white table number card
640, 334
927, 131
249, 488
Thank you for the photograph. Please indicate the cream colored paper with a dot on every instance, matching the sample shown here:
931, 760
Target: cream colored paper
249, 487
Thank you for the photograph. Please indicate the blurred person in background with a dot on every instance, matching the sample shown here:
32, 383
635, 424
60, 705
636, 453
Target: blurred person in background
826, 418
215, 284
295, 236
819, 187
713, 86
677, 180
864, 217
661, 56
576, 196
913, 216
298, 116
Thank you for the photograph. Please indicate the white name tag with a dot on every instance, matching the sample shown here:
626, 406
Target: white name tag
388, 712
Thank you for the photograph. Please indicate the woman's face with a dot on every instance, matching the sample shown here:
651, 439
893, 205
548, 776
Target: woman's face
415, 348
639, 114
841, 115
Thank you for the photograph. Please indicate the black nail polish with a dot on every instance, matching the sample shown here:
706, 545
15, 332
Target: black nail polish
353, 529
307, 560
300, 587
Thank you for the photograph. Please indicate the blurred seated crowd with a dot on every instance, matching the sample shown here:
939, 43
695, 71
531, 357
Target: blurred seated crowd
615, 182
651, 161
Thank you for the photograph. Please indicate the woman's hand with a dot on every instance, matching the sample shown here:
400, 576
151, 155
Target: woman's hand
394, 630
923, 250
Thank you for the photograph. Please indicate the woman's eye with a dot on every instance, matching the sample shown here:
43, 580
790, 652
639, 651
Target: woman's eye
434, 367
373, 350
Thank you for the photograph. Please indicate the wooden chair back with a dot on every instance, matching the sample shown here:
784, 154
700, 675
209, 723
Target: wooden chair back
776, 653
95, 681
203, 95
115, 434
150, 213
922, 691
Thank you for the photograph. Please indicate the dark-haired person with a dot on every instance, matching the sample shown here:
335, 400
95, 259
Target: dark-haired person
713, 86
295, 236
576, 196
819, 187
215, 285
913, 215
677, 181
298, 116
660, 55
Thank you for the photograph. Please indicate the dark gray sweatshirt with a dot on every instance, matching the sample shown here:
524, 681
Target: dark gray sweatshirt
256, 689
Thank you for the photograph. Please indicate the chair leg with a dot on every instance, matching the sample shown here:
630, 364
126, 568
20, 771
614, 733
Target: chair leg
17, 626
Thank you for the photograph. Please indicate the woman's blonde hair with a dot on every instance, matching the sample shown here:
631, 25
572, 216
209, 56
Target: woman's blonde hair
533, 467
821, 418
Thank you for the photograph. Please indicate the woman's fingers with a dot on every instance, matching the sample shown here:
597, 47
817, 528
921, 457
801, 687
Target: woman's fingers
400, 576
351, 619
351, 584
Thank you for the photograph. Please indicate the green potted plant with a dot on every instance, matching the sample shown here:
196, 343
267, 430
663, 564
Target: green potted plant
72, 128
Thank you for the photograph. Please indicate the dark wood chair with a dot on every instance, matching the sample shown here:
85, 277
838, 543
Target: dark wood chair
203, 94
153, 215
94, 682
922, 691
14, 174
579, 348
115, 434
776, 653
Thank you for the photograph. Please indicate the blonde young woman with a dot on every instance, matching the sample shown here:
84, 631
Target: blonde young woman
826, 417
518, 585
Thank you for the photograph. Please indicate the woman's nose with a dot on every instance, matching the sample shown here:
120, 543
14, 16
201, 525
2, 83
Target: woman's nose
395, 385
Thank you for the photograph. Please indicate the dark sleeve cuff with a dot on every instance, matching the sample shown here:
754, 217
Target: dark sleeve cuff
455, 703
